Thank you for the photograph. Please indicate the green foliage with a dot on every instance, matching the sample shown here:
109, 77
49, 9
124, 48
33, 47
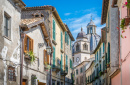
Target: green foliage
128, 4
47, 66
31, 55
122, 24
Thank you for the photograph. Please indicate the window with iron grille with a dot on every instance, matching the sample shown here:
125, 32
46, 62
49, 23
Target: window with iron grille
11, 74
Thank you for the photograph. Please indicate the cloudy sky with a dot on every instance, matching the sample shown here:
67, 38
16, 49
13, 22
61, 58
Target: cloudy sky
75, 13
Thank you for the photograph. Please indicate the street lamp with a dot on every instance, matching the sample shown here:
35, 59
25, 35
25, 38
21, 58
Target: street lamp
48, 48
49, 52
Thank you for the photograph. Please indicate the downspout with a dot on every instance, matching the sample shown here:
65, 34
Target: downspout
120, 48
21, 56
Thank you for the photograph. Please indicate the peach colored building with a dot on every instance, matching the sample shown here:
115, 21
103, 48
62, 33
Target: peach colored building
122, 76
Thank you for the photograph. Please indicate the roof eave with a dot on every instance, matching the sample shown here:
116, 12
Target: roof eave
104, 11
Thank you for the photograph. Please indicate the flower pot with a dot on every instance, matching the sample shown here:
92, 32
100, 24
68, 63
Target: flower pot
105, 71
127, 21
108, 65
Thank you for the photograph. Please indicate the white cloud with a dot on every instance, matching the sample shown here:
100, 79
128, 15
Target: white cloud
75, 24
67, 14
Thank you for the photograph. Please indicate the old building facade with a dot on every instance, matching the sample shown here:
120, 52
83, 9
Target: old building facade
10, 18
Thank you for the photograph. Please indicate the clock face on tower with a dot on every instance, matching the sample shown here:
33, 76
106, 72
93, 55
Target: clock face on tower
77, 59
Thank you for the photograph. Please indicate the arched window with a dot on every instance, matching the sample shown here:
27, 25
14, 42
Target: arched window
85, 47
77, 47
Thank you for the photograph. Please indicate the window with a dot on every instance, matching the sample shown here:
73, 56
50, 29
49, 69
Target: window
91, 31
85, 47
128, 12
108, 53
70, 63
46, 57
28, 44
103, 47
33, 80
11, 74
66, 60
97, 56
61, 41
77, 72
53, 29
70, 44
65, 37
54, 56
61, 62
81, 70
77, 47
7, 25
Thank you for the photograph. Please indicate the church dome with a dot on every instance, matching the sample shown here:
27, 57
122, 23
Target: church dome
91, 23
82, 34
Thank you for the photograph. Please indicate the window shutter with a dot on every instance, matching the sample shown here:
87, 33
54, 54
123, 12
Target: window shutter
106, 60
53, 29
25, 44
103, 47
47, 58
30, 40
65, 37
32, 45
70, 44
54, 57
44, 56
66, 60
61, 62
108, 51
100, 67
97, 56
61, 41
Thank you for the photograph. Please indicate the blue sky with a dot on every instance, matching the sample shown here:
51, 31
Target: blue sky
75, 13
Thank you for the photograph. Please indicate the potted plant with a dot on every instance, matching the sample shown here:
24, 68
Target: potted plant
47, 66
105, 71
127, 4
100, 73
30, 55
108, 65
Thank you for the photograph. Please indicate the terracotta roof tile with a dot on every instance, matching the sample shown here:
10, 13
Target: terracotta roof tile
30, 21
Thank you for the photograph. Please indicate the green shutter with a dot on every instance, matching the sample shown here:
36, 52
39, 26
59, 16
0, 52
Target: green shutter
65, 37
70, 44
108, 53
106, 60
61, 63
86, 80
97, 56
100, 53
66, 60
61, 41
53, 29
100, 67
103, 47
54, 56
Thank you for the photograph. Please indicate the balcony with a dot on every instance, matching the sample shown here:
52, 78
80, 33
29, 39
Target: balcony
64, 72
56, 67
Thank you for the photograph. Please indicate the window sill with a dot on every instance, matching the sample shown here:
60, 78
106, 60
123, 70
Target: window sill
54, 42
7, 38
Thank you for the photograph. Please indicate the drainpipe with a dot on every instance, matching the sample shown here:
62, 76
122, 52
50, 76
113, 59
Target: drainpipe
21, 56
50, 65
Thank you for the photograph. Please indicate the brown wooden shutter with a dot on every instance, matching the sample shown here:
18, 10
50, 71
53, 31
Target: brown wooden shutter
31, 44
30, 40
47, 59
25, 44
44, 56
128, 12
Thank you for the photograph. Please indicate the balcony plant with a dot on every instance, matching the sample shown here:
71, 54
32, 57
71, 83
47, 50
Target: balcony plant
105, 71
100, 73
127, 4
30, 55
108, 65
47, 66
